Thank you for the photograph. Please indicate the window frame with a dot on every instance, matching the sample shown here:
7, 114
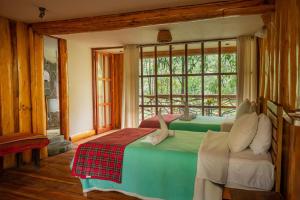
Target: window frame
186, 75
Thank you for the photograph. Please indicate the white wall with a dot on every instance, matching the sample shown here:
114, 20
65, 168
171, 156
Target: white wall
80, 87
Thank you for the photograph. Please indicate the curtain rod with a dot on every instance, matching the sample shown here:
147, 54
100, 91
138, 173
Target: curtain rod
186, 42
169, 43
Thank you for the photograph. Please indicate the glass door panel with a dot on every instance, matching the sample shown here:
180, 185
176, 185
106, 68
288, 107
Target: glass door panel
103, 92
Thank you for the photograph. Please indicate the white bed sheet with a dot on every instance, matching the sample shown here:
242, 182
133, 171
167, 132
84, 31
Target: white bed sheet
249, 171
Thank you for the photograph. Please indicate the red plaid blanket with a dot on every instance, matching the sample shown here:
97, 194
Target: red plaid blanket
102, 158
153, 122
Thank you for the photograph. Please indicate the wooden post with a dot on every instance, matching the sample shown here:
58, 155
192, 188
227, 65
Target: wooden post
63, 87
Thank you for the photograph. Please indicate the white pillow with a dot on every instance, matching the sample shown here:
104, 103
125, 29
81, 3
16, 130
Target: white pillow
243, 132
262, 141
243, 108
252, 107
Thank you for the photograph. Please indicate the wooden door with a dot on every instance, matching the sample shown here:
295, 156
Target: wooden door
102, 92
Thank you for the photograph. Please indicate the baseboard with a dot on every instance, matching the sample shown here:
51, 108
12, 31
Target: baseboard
82, 135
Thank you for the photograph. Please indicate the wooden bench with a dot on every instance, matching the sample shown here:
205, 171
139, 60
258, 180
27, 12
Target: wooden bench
18, 143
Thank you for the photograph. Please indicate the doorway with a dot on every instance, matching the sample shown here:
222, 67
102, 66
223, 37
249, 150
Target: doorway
107, 80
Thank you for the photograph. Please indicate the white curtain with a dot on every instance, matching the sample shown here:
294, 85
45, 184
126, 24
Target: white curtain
130, 96
247, 68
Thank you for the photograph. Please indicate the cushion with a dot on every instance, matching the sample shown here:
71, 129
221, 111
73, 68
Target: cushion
253, 107
242, 132
243, 108
263, 138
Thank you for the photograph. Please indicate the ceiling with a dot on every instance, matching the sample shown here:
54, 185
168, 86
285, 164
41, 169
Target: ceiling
27, 10
217, 28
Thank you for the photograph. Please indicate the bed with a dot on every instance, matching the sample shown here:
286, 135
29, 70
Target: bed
199, 124
172, 174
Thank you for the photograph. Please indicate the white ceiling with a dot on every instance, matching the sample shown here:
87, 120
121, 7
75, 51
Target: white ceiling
184, 31
27, 10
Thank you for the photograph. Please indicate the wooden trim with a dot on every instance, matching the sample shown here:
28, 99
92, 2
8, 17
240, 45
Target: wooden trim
152, 17
191, 52
63, 87
141, 78
94, 88
82, 135
219, 77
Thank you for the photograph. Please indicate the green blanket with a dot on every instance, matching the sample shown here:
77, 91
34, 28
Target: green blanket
200, 124
164, 171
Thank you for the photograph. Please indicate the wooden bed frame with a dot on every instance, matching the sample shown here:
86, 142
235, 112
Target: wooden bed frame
275, 113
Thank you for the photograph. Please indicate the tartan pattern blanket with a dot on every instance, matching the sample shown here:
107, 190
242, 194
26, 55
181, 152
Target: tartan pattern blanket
153, 122
102, 158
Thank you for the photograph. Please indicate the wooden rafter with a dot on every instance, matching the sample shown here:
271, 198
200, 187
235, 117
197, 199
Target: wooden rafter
152, 17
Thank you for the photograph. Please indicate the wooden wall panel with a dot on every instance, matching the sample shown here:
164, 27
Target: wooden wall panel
279, 55
279, 81
6, 84
63, 87
36, 51
24, 103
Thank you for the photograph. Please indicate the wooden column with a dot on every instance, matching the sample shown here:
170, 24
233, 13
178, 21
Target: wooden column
63, 87
36, 48
24, 83
6, 86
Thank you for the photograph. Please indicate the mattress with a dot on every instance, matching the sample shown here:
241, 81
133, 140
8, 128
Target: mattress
250, 171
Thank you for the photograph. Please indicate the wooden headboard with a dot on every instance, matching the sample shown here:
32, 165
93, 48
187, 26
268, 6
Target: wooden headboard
275, 113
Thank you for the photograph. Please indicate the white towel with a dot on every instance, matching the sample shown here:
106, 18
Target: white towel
161, 134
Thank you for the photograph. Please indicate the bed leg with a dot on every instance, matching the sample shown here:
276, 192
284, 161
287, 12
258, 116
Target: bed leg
85, 194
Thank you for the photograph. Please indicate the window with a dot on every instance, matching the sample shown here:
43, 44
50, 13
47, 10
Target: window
202, 74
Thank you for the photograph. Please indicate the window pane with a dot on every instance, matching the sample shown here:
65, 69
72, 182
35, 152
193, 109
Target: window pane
211, 100
228, 84
164, 110
148, 61
149, 85
107, 92
100, 66
177, 110
108, 117
195, 85
178, 88
149, 112
211, 85
149, 100
178, 63
229, 100
195, 100
163, 85
228, 56
228, 112
163, 100
100, 91
194, 58
149, 90
211, 57
106, 67
197, 111
211, 111
163, 60
101, 117
178, 84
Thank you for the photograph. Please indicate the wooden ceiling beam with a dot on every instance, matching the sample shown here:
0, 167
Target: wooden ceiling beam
152, 17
